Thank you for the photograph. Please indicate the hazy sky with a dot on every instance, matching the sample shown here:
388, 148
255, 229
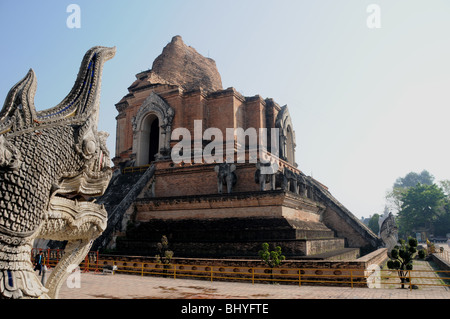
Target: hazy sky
368, 105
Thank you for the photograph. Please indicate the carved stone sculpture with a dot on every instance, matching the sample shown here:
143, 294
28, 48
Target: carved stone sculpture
262, 178
225, 176
52, 163
291, 180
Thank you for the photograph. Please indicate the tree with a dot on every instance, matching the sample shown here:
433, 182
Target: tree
412, 179
271, 258
441, 225
421, 206
401, 258
402, 184
394, 198
165, 255
445, 185
373, 223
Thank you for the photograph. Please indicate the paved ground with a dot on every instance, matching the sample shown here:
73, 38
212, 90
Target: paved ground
120, 286
181, 298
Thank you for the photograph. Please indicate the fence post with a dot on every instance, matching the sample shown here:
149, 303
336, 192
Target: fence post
174, 271
86, 263
351, 277
142, 269
299, 277
253, 276
212, 267
410, 283
96, 264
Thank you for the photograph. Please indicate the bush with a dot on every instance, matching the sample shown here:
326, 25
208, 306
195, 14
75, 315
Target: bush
402, 256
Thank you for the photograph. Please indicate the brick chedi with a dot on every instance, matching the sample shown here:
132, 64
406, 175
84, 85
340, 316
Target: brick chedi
215, 208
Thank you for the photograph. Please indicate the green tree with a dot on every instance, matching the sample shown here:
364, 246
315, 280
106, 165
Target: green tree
271, 258
401, 186
445, 185
394, 198
421, 206
401, 258
412, 179
441, 225
373, 223
165, 254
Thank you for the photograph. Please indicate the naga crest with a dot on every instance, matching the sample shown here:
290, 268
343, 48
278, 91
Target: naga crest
52, 163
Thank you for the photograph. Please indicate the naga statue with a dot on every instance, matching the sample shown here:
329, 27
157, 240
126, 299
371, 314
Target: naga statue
388, 231
52, 164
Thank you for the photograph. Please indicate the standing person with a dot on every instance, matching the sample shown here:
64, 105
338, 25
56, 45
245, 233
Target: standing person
39, 260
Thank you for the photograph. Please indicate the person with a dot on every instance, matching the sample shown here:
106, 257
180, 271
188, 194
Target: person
39, 260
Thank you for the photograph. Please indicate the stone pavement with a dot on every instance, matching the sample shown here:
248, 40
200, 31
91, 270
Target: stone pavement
120, 286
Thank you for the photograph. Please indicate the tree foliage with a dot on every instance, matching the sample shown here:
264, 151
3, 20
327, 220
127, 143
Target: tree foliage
412, 179
402, 184
402, 256
271, 258
165, 254
373, 223
422, 206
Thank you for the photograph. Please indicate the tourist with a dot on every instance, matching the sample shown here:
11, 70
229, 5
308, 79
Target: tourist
39, 260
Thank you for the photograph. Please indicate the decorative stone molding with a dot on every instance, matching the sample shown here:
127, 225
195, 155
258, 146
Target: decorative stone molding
52, 163
155, 106
287, 136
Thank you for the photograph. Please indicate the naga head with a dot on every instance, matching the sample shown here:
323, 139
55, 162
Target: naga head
53, 161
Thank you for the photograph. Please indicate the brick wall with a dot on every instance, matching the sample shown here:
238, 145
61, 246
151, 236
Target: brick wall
315, 271
441, 263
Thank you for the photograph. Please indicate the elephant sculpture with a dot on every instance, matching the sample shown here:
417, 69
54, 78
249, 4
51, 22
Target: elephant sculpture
225, 176
291, 180
52, 164
265, 176
302, 185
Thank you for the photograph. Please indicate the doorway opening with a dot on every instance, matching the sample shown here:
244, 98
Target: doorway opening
153, 147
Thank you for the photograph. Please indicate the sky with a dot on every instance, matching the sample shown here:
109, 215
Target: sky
368, 105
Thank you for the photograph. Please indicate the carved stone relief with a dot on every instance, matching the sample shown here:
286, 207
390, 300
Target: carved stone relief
154, 106
52, 163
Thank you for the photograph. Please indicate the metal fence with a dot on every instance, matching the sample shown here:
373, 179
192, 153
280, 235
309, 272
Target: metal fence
382, 278
374, 278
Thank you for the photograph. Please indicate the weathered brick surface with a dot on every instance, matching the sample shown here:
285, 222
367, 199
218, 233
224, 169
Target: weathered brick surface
222, 109
189, 191
348, 272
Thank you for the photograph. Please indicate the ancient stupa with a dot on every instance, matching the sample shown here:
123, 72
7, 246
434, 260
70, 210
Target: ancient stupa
152, 195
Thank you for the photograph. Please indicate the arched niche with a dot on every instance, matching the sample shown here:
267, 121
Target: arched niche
287, 136
152, 129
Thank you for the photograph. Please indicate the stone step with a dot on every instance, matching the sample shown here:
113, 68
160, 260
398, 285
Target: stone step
339, 254
228, 229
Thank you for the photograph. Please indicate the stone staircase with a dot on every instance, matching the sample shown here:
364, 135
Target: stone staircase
122, 191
